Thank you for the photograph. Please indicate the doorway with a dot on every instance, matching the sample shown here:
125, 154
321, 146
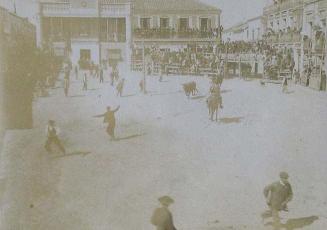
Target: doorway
85, 54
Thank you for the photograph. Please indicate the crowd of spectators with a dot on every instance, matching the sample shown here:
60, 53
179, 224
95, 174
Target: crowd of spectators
289, 35
193, 59
148, 33
188, 60
241, 47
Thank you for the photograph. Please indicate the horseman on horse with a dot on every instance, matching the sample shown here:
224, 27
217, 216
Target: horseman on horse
214, 101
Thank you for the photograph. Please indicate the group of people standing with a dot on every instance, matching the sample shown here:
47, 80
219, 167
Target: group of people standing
109, 116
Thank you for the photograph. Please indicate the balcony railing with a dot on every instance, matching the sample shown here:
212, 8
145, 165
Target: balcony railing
66, 8
283, 38
113, 37
56, 8
115, 10
157, 33
288, 4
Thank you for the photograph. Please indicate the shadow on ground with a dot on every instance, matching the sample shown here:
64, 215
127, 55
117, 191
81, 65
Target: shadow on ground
226, 91
77, 95
129, 95
197, 97
76, 153
296, 223
159, 94
129, 137
229, 120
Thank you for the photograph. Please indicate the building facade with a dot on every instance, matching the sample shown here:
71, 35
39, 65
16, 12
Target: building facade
175, 24
17, 42
101, 30
314, 41
86, 30
300, 25
283, 21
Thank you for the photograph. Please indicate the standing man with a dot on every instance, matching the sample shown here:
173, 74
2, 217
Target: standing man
112, 78
66, 85
109, 118
162, 217
120, 87
141, 85
76, 72
85, 81
277, 195
101, 75
284, 84
52, 137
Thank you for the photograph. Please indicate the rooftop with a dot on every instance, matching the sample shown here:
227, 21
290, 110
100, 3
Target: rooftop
172, 5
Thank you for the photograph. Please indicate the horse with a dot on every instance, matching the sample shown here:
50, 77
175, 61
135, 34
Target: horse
190, 88
213, 103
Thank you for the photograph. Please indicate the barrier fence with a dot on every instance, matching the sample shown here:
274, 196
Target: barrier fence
155, 68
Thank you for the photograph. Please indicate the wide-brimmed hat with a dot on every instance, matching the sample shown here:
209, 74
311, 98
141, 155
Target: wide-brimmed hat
51, 121
166, 200
283, 175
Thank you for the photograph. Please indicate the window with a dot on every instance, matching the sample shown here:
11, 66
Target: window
84, 27
204, 24
183, 23
145, 23
164, 22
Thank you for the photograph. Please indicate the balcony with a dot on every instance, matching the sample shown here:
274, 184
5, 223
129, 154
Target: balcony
55, 9
113, 37
279, 7
115, 10
66, 9
289, 38
171, 34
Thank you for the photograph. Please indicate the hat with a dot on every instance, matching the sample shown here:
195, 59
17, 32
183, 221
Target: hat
283, 175
51, 121
166, 200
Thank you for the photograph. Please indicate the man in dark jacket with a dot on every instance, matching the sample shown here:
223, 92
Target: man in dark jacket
109, 118
101, 76
52, 132
162, 217
278, 194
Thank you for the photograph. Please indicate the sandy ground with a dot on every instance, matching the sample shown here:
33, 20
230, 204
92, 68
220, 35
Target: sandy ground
215, 171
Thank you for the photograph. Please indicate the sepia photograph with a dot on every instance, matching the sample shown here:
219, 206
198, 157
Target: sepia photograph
163, 114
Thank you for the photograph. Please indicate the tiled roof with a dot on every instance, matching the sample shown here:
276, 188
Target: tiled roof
172, 5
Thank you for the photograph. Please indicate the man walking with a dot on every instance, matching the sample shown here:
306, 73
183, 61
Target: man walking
162, 217
66, 85
112, 78
101, 75
76, 72
52, 137
284, 84
85, 81
109, 118
277, 195
120, 87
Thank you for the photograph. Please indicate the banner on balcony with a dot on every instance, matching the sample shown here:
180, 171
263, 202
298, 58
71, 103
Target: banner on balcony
88, 4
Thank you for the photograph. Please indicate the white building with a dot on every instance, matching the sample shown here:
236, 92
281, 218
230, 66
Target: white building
86, 30
249, 31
